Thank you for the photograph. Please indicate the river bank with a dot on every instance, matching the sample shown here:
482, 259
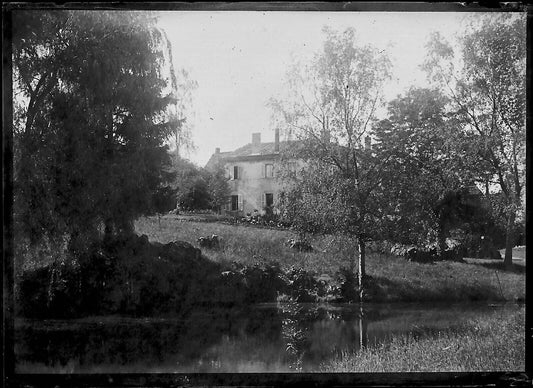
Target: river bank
162, 271
282, 337
391, 278
492, 343
158, 291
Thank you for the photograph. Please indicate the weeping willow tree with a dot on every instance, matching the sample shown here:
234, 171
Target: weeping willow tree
94, 108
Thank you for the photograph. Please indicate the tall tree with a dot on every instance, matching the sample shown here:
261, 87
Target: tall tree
218, 187
197, 188
91, 122
191, 185
485, 80
332, 104
425, 188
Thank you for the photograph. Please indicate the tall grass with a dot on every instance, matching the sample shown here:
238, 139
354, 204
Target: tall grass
395, 279
493, 344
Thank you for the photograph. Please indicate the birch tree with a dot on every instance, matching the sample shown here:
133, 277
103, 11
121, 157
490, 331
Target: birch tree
332, 104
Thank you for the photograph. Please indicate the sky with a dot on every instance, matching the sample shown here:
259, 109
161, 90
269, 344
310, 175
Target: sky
239, 60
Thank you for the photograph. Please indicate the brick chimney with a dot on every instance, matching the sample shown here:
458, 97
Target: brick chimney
256, 143
276, 140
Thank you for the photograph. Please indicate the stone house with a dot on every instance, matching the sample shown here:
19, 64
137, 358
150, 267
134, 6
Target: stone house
253, 174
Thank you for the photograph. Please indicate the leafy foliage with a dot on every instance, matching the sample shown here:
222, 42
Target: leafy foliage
486, 84
198, 188
333, 103
427, 176
331, 110
218, 189
190, 185
91, 122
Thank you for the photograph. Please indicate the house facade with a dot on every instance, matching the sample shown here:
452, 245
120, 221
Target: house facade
253, 174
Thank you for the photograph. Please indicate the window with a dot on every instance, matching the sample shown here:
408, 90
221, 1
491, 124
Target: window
269, 199
236, 172
234, 202
268, 171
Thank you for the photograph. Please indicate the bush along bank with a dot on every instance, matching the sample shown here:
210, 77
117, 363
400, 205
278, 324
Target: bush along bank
133, 276
125, 276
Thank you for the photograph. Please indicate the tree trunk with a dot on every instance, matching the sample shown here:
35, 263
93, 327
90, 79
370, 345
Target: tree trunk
509, 239
441, 240
127, 227
361, 269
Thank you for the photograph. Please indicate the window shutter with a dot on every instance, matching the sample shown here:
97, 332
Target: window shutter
226, 204
263, 170
263, 200
231, 172
241, 202
240, 172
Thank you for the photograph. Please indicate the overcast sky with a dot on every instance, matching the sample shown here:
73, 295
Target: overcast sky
239, 60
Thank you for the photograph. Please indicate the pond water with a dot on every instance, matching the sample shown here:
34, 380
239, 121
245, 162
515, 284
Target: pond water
267, 338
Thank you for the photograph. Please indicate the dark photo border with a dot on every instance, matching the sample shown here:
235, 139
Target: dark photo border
12, 379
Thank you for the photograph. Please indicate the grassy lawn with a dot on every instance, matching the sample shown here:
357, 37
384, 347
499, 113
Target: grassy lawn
493, 344
397, 279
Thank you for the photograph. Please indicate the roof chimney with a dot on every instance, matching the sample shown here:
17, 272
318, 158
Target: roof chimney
276, 140
217, 150
256, 143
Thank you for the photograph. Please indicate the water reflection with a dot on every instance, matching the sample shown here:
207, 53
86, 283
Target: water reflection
288, 337
363, 328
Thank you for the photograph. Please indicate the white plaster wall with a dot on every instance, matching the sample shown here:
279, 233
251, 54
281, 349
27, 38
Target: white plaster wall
251, 184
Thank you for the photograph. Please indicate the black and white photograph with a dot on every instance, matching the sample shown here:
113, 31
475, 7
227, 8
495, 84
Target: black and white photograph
266, 191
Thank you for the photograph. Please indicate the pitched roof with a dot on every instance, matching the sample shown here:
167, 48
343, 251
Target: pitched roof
264, 151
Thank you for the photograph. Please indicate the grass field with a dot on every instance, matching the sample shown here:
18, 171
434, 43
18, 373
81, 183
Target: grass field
398, 279
493, 344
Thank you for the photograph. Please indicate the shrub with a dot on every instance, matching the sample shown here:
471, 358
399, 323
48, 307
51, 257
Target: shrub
428, 253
